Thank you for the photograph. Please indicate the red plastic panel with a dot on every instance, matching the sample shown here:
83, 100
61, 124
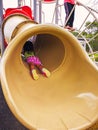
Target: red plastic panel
25, 10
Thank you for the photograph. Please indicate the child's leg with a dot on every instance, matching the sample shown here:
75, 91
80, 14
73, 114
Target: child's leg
35, 61
43, 70
33, 71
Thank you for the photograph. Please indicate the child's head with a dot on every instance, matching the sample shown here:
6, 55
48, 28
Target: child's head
28, 46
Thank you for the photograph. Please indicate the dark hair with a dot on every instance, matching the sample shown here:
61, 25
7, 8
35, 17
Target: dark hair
28, 46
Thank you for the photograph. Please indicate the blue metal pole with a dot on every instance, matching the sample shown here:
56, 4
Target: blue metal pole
19, 3
40, 11
34, 9
56, 15
1, 20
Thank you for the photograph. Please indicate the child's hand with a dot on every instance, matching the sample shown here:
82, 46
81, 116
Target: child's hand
78, 3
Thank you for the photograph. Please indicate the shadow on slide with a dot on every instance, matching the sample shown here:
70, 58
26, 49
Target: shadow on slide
68, 99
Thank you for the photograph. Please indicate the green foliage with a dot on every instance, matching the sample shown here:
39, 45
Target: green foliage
94, 56
93, 25
91, 31
74, 33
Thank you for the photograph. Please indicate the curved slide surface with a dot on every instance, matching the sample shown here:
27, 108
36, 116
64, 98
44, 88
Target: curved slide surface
68, 99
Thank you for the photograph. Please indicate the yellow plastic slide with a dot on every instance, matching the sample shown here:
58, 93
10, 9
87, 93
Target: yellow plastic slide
68, 99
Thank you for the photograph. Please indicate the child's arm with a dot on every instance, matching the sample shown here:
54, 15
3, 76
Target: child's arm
23, 57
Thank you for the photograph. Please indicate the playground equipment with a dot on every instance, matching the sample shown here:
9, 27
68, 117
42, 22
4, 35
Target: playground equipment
68, 99
92, 13
49, 1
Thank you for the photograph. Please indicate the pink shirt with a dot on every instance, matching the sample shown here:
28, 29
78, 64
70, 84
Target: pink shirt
70, 1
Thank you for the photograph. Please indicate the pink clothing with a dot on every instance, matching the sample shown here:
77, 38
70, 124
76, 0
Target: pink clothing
70, 1
33, 59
